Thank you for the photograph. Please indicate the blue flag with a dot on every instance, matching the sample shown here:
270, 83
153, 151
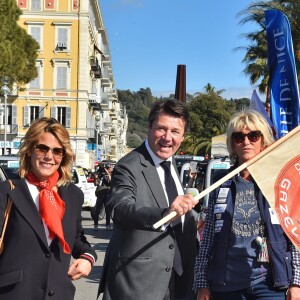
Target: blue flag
284, 89
256, 104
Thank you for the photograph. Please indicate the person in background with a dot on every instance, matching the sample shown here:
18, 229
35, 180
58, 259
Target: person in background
101, 193
44, 227
244, 253
140, 262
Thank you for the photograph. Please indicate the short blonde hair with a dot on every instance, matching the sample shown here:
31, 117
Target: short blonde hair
31, 138
254, 121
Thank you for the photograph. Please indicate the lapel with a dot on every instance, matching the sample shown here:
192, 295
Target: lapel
64, 195
23, 202
152, 178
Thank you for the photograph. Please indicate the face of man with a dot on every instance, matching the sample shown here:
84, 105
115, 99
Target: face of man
166, 135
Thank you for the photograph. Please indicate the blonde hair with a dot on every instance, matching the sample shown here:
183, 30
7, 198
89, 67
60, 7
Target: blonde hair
31, 138
254, 121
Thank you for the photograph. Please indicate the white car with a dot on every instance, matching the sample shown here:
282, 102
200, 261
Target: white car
88, 188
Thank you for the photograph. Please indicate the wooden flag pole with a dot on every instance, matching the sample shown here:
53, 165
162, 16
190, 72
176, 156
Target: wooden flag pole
173, 214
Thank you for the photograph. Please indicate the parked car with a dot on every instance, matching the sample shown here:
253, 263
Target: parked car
182, 159
10, 165
88, 188
208, 172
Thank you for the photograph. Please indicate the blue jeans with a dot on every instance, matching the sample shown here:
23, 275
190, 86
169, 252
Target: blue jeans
262, 290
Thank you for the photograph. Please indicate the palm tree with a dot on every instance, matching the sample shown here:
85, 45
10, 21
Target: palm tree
209, 89
196, 145
256, 57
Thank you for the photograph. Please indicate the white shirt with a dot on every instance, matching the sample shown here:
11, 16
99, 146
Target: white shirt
161, 174
35, 196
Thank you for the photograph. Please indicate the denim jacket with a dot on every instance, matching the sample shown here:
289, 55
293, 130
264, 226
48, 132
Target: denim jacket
278, 244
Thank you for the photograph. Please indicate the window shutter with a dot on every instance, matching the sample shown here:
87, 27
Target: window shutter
62, 35
41, 111
35, 83
68, 117
14, 114
53, 112
36, 34
26, 116
61, 80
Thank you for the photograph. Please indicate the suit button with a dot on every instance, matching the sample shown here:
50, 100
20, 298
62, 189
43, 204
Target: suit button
47, 255
171, 246
168, 269
51, 293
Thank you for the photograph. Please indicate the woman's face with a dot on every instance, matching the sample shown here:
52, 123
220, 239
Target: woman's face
246, 149
44, 163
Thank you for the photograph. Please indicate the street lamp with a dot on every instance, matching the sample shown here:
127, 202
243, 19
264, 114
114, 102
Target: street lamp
5, 90
97, 119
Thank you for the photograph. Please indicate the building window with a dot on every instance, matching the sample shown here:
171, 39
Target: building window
62, 39
35, 83
62, 115
61, 78
34, 113
61, 75
11, 121
36, 5
62, 36
35, 32
31, 113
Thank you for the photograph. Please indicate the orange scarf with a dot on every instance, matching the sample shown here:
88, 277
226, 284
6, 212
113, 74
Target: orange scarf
52, 207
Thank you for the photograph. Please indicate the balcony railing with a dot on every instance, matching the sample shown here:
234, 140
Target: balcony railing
94, 99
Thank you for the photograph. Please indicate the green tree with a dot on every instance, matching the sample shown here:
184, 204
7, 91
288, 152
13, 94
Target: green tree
18, 50
209, 89
209, 115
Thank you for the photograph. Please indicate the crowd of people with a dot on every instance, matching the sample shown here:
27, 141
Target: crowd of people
243, 253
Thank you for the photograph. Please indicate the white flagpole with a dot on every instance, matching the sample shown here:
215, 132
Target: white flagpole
173, 214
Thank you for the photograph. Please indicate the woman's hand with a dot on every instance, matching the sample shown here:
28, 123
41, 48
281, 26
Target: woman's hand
293, 292
79, 268
203, 294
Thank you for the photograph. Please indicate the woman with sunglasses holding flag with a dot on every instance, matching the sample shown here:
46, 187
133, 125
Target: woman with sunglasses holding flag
244, 253
44, 227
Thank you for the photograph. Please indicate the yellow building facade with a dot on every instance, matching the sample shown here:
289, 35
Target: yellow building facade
75, 81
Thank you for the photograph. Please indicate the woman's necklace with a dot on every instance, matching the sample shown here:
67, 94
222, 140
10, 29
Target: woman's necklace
263, 255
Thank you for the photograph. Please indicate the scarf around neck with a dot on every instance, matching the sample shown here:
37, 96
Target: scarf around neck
51, 207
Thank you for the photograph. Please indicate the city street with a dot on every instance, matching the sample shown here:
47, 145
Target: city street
86, 288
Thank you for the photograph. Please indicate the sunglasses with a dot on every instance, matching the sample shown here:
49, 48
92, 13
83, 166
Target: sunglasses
253, 136
44, 149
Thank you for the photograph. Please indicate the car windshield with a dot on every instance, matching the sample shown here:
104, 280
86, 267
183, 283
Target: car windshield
10, 165
12, 173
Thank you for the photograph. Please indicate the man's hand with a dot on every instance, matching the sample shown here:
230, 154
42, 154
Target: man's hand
79, 268
181, 205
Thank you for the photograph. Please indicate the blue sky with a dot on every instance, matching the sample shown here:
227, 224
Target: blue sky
149, 38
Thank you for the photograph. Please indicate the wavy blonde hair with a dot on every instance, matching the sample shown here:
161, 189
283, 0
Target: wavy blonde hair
254, 121
31, 138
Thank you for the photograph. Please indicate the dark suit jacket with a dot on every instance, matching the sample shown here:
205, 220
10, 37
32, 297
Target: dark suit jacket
138, 262
29, 269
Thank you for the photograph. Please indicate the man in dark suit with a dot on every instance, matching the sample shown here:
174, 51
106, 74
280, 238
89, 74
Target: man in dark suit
140, 261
